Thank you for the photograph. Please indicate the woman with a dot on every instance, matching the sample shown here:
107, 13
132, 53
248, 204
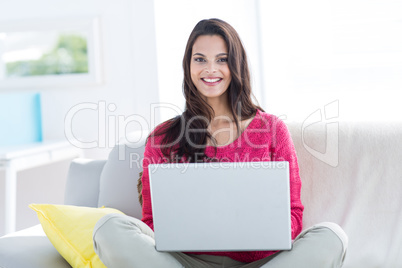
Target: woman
220, 123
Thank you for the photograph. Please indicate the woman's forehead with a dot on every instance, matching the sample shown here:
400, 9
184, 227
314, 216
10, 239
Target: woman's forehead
210, 44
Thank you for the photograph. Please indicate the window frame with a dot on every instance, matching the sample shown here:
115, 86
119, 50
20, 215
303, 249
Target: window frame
91, 25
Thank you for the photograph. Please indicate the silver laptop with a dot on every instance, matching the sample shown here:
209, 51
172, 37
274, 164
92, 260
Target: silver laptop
240, 206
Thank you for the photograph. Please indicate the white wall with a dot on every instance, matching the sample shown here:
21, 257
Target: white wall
131, 83
316, 52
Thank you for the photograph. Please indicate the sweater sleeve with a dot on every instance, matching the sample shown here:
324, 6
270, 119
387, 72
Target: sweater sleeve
152, 155
285, 151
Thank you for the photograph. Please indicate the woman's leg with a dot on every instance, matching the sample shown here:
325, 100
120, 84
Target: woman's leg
321, 246
123, 241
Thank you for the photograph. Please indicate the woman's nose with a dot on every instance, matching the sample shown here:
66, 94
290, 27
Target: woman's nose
210, 67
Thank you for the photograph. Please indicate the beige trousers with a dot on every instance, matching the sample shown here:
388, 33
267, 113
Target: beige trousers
122, 242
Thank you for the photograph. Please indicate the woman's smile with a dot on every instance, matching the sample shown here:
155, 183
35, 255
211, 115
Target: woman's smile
211, 81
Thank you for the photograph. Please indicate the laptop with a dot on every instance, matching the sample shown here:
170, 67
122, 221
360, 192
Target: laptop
221, 206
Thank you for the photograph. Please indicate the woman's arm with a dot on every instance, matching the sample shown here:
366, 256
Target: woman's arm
152, 155
285, 151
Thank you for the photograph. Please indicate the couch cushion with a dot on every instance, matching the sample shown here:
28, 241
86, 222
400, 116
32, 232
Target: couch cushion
82, 187
29, 248
70, 229
118, 182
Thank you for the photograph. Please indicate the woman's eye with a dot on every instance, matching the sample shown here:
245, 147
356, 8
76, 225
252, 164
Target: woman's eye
199, 60
223, 60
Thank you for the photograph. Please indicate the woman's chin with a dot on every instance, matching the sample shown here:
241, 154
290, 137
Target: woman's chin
212, 93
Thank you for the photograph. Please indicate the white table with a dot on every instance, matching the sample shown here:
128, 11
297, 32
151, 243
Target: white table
17, 158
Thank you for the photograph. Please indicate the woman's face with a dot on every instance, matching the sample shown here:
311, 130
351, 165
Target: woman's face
209, 66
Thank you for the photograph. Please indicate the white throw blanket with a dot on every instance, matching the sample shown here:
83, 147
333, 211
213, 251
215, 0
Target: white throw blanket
352, 175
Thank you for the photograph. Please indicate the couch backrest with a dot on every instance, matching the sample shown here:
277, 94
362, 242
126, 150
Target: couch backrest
118, 180
82, 186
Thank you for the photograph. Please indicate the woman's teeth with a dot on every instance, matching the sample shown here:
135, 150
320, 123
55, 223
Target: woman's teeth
211, 80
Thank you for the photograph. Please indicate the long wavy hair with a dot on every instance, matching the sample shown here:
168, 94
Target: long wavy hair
186, 135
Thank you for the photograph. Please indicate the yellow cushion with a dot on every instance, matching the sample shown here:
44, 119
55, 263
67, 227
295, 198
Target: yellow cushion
70, 228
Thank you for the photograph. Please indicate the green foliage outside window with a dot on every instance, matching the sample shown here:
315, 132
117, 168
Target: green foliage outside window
69, 56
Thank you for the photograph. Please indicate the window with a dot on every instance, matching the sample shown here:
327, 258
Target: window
49, 53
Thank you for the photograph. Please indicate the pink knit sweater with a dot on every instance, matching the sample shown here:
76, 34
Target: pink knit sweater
266, 137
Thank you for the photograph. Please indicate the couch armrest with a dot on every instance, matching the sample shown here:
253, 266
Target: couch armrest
82, 187
29, 248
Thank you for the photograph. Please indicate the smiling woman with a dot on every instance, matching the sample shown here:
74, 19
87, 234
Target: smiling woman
220, 124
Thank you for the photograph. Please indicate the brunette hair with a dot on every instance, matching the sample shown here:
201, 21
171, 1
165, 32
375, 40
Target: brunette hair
179, 136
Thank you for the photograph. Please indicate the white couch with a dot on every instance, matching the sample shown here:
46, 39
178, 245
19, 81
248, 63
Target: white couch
351, 174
